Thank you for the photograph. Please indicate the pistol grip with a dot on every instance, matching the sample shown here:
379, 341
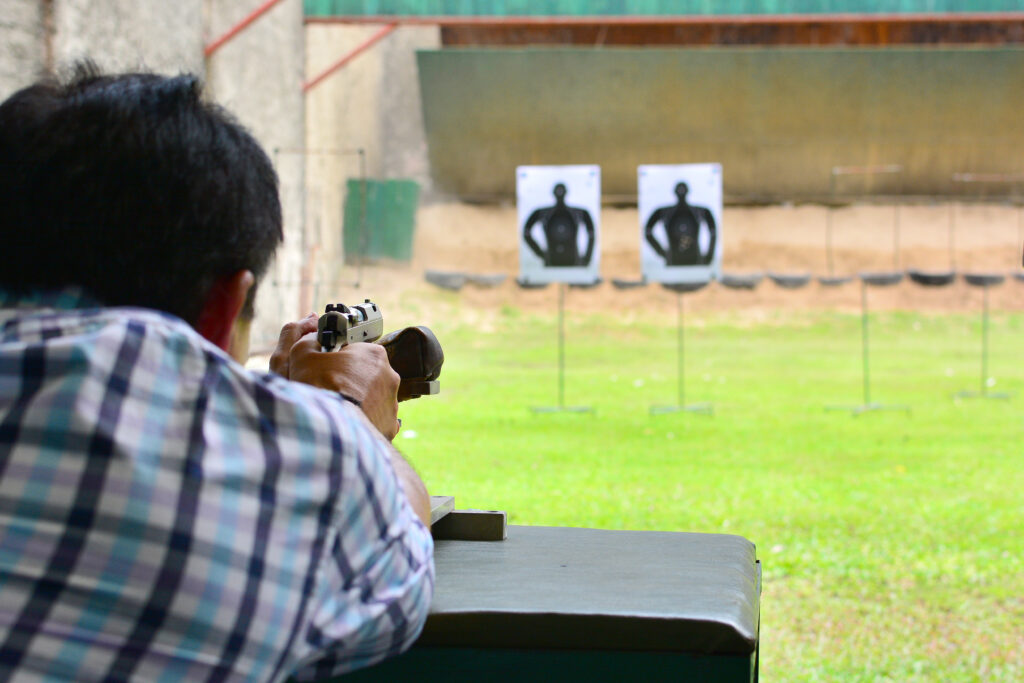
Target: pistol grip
416, 355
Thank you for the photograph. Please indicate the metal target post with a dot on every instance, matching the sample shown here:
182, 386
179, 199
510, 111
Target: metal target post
561, 407
1013, 180
986, 281
831, 280
880, 279
829, 258
884, 279
681, 407
364, 234
363, 227
1020, 224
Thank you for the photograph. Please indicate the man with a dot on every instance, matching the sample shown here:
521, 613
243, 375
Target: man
164, 513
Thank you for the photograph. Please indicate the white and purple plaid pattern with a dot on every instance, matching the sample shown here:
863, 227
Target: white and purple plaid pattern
167, 515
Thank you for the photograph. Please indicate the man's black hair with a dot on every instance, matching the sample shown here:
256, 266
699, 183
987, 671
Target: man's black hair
132, 188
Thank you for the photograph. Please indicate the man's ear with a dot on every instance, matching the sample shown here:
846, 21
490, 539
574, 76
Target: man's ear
223, 306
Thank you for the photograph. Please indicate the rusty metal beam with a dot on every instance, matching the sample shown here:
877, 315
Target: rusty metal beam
986, 28
707, 34
667, 20
239, 27
359, 49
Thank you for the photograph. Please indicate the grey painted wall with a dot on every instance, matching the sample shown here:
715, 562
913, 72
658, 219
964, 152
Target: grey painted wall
258, 77
23, 37
130, 34
373, 104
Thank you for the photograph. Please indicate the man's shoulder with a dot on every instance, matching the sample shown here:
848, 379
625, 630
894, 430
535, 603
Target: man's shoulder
151, 348
171, 391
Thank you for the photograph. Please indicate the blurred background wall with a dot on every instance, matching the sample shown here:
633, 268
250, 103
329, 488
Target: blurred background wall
778, 92
356, 97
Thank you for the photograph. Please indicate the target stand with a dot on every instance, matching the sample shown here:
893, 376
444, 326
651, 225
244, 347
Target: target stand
831, 279
987, 280
561, 407
984, 281
681, 407
877, 280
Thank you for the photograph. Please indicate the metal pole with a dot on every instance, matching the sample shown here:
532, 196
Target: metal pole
984, 342
672, 20
896, 238
561, 345
952, 245
828, 226
864, 339
868, 171
682, 356
239, 27
1020, 223
359, 49
364, 238
828, 243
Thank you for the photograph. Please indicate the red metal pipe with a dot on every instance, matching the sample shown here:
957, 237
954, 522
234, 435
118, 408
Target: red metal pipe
365, 45
239, 27
661, 20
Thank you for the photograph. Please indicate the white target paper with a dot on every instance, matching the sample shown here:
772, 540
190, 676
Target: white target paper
680, 208
559, 209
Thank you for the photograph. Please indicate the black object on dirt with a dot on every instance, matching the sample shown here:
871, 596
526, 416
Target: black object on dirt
445, 280
685, 287
740, 280
881, 279
790, 281
931, 278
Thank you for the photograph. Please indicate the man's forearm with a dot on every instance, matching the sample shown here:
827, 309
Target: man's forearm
413, 487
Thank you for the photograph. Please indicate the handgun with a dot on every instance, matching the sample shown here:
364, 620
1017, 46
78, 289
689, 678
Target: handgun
414, 352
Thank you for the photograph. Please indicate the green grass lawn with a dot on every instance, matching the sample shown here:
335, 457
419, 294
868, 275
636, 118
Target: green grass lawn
891, 543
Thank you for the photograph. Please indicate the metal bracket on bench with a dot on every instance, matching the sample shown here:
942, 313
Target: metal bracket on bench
449, 524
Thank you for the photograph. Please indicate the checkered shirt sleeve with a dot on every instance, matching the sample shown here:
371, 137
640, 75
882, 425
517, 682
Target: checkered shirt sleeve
167, 515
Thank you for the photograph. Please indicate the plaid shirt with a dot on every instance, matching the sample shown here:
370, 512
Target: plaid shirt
167, 515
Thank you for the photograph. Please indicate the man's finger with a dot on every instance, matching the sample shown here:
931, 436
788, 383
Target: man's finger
293, 332
290, 334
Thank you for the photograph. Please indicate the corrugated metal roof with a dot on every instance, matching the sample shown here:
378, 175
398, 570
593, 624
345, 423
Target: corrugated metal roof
648, 7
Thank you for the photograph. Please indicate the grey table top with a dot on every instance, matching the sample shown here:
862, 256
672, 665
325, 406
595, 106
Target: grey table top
567, 588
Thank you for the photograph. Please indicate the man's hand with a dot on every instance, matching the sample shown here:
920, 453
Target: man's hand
360, 371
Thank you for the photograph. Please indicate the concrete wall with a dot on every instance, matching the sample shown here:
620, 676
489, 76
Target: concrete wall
404, 140
258, 76
372, 104
41, 35
341, 117
128, 34
24, 39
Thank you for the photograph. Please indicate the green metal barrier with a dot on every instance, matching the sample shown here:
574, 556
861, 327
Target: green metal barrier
777, 119
380, 217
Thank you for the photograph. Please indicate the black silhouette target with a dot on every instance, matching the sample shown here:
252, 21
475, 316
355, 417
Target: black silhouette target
680, 209
559, 210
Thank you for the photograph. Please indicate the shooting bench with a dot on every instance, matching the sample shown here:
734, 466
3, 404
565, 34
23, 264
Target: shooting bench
589, 605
